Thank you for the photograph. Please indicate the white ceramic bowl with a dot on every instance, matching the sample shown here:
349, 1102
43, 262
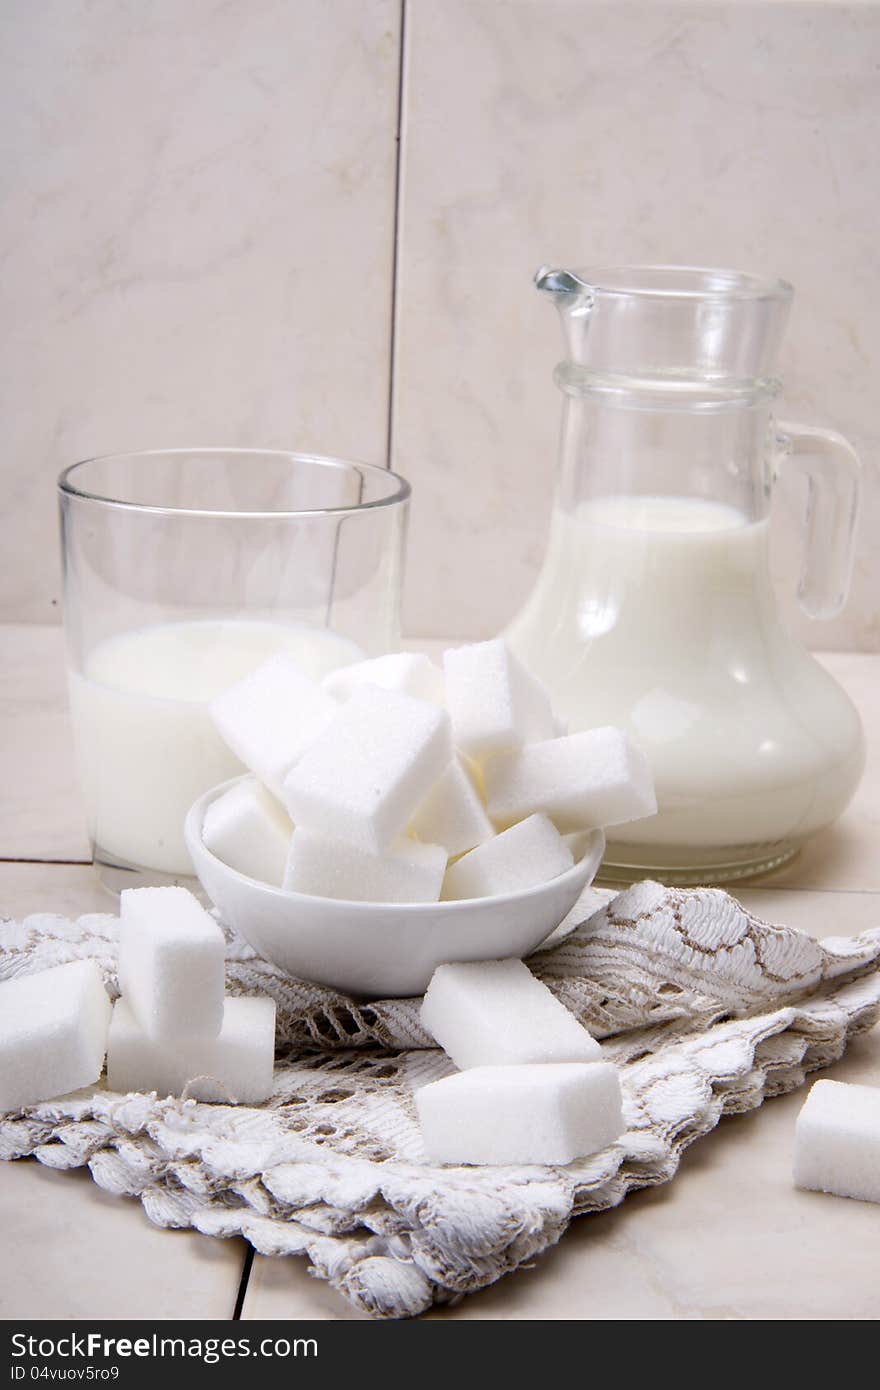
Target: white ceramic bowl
382, 949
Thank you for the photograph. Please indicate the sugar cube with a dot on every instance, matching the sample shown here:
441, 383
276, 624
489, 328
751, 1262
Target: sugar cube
521, 1114
590, 779
250, 831
235, 1067
53, 1033
837, 1141
452, 813
494, 702
271, 716
495, 1013
474, 770
412, 673
171, 963
526, 854
408, 872
362, 779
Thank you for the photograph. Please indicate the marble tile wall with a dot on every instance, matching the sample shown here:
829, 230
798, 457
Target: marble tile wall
199, 243
556, 132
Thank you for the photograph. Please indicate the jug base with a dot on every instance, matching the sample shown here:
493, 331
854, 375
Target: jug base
626, 864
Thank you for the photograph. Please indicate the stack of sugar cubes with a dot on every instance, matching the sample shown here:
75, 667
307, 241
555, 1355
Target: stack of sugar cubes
391, 781
531, 1087
171, 1032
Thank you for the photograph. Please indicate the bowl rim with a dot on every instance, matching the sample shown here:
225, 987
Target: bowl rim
192, 830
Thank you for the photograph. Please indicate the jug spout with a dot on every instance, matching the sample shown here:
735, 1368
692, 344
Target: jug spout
573, 297
566, 287
664, 319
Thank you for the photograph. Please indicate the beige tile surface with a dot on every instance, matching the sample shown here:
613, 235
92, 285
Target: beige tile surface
285, 1289
199, 240
69, 889
825, 913
78, 1252
561, 133
40, 813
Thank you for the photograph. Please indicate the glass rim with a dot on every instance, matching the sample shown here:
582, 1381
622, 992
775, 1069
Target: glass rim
401, 492
706, 282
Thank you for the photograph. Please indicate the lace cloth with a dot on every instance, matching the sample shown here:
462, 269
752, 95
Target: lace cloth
707, 1009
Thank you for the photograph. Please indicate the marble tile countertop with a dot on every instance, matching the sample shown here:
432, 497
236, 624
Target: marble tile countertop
729, 1238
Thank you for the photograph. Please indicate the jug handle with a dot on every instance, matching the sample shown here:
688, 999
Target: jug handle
833, 472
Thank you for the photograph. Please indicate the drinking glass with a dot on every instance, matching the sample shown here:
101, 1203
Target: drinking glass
183, 570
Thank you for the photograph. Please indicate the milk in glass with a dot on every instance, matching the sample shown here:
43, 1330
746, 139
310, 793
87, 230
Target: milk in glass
145, 744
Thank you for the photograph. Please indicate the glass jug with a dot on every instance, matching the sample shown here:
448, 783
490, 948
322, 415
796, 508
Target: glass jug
654, 608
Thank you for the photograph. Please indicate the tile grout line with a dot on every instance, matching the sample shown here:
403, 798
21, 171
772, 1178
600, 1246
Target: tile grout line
38, 859
243, 1283
758, 887
395, 245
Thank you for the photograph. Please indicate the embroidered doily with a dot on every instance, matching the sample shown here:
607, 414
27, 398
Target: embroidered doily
707, 1010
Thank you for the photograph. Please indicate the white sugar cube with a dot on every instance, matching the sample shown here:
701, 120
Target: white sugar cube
521, 1114
837, 1141
171, 963
235, 1067
408, 872
271, 716
529, 853
411, 673
452, 813
595, 778
363, 778
495, 1013
495, 704
474, 770
250, 831
53, 1033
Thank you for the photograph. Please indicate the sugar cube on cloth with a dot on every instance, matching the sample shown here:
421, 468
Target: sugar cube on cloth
171, 963
837, 1140
408, 872
411, 673
521, 1114
250, 831
271, 716
53, 1033
526, 854
496, 1013
594, 778
495, 704
235, 1067
363, 778
452, 813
